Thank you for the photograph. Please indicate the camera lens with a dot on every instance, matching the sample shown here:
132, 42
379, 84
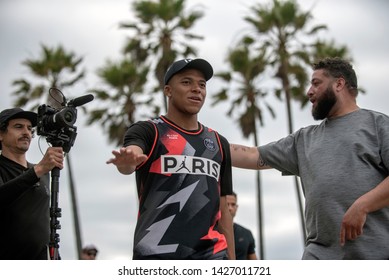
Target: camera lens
68, 116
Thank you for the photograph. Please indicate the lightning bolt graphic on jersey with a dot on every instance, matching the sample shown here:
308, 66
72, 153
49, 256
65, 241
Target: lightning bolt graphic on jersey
150, 242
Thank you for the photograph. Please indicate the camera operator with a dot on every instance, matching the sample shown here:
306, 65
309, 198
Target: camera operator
24, 189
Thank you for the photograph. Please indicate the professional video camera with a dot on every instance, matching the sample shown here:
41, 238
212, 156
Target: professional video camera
57, 124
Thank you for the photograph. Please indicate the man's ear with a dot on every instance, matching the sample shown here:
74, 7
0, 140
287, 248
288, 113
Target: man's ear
340, 83
167, 91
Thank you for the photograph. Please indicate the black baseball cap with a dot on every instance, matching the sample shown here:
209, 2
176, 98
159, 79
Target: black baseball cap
17, 113
200, 64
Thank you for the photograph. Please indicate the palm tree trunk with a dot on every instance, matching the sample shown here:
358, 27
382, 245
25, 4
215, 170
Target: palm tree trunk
296, 180
164, 102
74, 208
259, 205
260, 223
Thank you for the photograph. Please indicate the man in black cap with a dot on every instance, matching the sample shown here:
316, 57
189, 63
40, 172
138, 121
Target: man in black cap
183, 173
24, 189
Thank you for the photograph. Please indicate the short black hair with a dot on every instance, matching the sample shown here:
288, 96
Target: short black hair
3, 126
339, 68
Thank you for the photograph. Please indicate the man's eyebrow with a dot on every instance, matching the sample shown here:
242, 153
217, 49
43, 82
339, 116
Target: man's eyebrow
22, 124
315, 80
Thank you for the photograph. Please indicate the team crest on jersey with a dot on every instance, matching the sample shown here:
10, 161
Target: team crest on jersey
209, 144
178, 164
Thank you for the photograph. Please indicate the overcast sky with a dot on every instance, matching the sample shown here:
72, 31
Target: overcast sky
106, 199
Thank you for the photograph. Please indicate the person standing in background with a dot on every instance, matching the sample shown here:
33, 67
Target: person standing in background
244, 240
89, 252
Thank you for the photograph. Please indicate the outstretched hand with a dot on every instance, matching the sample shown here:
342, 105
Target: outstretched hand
127, 159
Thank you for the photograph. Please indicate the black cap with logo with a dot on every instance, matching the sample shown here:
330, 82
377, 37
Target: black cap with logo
200, 64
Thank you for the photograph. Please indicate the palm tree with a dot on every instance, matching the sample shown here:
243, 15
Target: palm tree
125, 81
286, 32
53, 68
322, 49
246, 65
161, 29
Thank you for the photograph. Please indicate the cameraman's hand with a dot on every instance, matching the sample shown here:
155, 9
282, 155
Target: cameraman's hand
52, 158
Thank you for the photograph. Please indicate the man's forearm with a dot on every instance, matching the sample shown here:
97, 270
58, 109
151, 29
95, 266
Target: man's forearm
247, 157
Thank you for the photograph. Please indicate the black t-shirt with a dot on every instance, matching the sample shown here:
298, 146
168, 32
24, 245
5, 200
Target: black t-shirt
244, 242
179, 189
24, 212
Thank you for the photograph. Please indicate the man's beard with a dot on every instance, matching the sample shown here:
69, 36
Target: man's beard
324, 104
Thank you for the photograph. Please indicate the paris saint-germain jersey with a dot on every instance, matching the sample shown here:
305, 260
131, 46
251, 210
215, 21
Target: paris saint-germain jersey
179, 189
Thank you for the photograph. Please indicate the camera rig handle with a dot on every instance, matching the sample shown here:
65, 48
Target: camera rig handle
55, 213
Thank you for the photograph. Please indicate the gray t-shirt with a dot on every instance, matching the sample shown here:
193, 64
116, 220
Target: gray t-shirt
338, 161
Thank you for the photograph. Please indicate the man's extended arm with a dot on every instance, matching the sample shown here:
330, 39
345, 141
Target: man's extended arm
246, 157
